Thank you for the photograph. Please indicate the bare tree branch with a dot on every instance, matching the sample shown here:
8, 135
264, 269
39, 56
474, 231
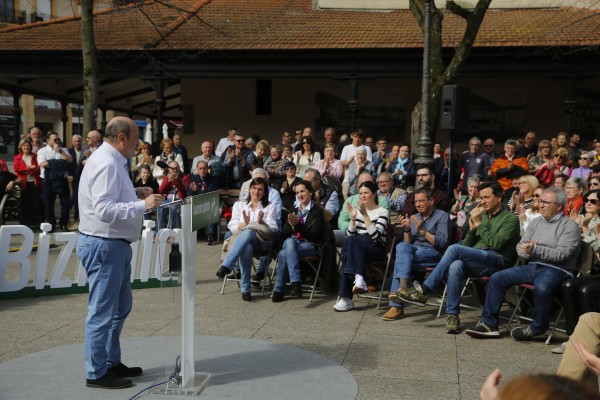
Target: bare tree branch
458, 10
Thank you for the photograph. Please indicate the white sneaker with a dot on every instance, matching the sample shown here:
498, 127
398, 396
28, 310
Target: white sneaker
360, 286
344, 304
560, 349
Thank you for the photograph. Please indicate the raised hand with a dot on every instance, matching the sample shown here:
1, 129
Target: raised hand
293, 219
246, 217
418, 222
193, 186
351, 210
457, 193
489, 390
261, 214
405, 222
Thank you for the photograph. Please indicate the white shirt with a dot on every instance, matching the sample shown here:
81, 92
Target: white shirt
350, 151
197, 159
224, 143
108, 204
47, 153
237, 217
274, 198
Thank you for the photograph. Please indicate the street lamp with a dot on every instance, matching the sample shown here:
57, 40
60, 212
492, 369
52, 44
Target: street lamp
425, 143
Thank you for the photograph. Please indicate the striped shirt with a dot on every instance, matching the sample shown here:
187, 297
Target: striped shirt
377, 230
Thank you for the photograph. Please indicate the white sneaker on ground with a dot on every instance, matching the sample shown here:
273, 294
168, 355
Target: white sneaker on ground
560, 349
344, 304
360, 286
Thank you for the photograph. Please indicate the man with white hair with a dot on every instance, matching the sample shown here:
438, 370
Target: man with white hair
207, 155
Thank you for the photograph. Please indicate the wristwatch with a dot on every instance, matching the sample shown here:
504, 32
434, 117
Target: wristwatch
422, 232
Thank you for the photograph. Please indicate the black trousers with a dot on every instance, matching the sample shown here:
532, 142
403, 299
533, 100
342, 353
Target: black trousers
30, 207
49, 193
579, 296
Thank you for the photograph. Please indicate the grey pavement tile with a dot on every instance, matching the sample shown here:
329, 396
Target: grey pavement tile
428, 358
398, 388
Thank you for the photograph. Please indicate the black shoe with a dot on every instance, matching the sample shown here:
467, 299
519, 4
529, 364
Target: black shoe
210, 241
235, 274
277, 297
257, 279
246, 296
108, 381
123, 371
222, 272
295, 289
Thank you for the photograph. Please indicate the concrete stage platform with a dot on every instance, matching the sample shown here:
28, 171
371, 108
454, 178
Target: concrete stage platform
240, 369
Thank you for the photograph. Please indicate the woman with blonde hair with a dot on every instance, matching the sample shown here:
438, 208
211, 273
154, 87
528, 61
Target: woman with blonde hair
144, 157
167, 155
522, 198
558, 166
27, 170
543, 156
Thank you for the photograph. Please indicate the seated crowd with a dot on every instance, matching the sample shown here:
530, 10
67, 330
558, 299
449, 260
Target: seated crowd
531, 205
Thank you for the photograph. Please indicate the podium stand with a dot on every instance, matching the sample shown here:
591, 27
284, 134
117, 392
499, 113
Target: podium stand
200, 212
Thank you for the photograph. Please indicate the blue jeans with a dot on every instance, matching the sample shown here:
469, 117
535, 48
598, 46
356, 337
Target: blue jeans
409, 256
457, 262
288, 260
108, 266
357, 252
545, 280
173, 212
241, 253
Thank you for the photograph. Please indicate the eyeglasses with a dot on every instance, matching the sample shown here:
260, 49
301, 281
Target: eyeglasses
305, 143
240, 140
557, 156
289, 168
584, 158
592, 201
537, 196
488, 145
571, 187
547, 203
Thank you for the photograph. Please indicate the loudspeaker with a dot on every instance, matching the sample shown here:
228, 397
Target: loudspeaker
455, 107
263, 96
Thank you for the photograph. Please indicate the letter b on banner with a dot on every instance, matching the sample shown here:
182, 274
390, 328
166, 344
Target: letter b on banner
17, 257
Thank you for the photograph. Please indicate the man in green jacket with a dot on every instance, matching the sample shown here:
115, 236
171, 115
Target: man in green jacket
490, 246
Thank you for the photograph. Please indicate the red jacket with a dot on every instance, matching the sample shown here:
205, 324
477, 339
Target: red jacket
22, 170
181, 185
504, 175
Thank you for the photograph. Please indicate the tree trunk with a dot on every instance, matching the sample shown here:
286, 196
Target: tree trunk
441, 75
90, 66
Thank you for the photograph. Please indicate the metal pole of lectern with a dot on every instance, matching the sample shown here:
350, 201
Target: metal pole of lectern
190, 382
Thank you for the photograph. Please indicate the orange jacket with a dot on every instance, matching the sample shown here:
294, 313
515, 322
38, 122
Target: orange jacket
505, 175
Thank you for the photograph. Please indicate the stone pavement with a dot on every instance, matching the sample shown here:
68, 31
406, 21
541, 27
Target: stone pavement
412, 358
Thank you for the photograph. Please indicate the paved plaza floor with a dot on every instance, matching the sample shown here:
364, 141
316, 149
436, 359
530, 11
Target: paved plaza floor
412, 358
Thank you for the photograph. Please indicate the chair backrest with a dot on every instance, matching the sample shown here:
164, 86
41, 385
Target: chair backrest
390, 236
586, 259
